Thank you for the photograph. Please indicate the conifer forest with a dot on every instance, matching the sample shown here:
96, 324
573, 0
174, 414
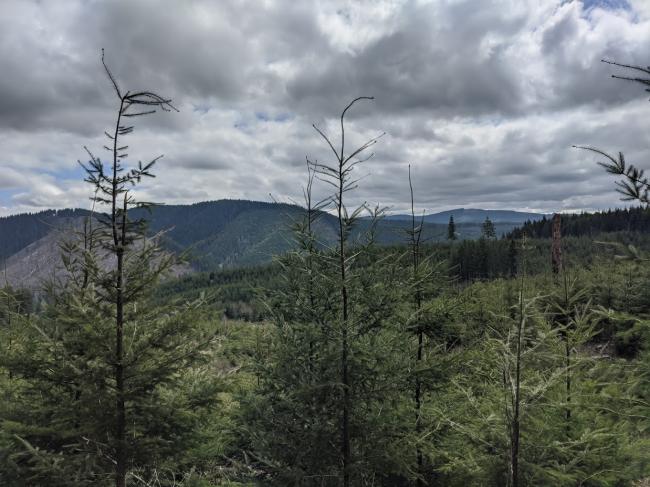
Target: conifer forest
370, 349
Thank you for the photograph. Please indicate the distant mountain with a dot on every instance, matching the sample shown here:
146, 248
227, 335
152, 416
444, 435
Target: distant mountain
472, 215
215, 234
229, 233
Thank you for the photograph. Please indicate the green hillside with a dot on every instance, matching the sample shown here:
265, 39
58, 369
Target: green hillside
232, 233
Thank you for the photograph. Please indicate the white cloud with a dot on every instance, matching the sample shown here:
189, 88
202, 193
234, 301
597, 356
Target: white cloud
483, 98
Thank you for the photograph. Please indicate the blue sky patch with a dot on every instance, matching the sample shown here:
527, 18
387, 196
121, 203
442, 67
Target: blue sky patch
607, 4
6, 195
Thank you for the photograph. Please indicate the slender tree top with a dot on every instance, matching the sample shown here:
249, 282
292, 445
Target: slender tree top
339, 175
113, 182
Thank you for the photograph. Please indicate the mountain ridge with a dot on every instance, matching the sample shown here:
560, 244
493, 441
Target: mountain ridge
474, 215
215, 234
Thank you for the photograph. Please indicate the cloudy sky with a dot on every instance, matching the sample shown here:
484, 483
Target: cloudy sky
484, 98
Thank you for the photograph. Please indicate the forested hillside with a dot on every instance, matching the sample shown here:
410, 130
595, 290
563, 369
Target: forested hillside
215, 234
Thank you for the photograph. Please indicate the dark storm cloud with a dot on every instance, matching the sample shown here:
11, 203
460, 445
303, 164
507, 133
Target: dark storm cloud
484, 98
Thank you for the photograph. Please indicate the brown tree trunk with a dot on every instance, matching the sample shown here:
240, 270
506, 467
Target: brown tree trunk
556, 251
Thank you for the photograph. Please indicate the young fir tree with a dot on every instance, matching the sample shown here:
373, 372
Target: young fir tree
332, 386
415, 235
513, 360
425, 283
104, 394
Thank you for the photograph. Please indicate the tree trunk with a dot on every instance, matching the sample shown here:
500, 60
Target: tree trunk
418, 405
119, 240
120, 424
415, 247
345, 379
514, 444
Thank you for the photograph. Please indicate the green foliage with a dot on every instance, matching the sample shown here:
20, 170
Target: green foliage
61, 419
451, 229
294, 422
487, 229
262, 405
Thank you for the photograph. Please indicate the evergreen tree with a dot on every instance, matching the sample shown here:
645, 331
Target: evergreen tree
333, 386
415, 234
425, 284
487, 229
103, 371
512, 258
451, 229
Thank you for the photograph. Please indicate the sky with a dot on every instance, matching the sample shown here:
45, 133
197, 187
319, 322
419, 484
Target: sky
483, 98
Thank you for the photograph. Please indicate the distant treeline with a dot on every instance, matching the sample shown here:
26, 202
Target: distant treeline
589, 224
236, 291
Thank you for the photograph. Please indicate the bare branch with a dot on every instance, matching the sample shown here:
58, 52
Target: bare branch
110, 76
629, 66
326, 140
